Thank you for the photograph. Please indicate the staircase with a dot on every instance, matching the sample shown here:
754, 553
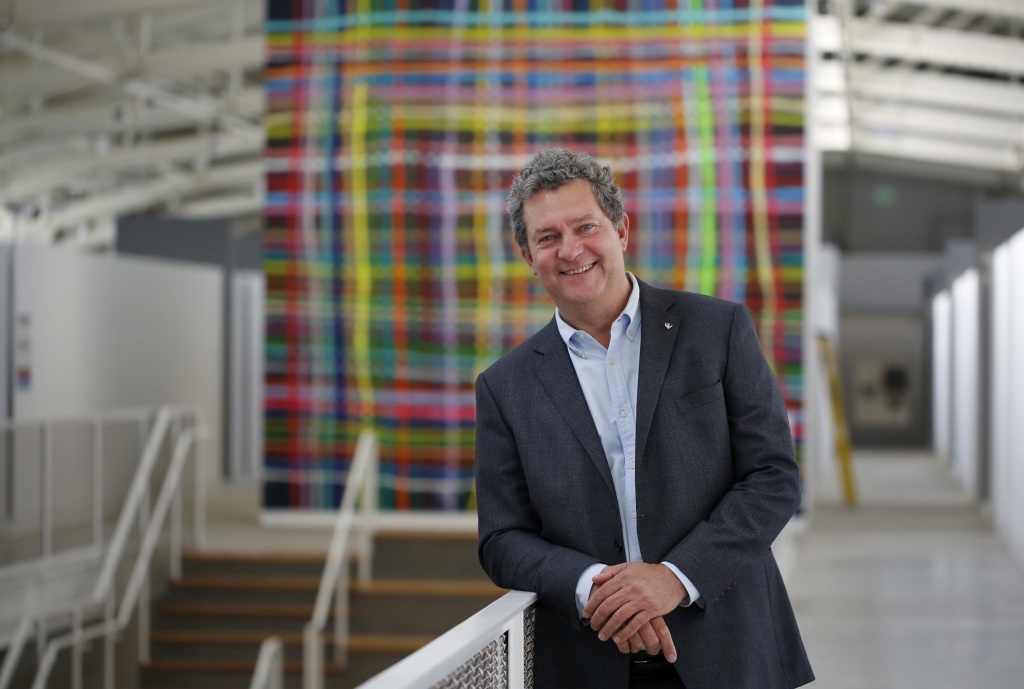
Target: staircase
207, 631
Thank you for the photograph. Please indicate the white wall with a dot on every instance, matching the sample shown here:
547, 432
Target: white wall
1007, 392
942, 368
965, 401
103, 332
822, 469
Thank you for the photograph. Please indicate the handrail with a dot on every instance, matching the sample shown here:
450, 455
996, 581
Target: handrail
14, 650
130, 509
448, 652
136, 505
269, 672
360, 480
125, 414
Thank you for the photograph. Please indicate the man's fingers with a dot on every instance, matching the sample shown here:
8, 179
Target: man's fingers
664, 638
600, 611
649, 637
632, 625
605, 575
636, 643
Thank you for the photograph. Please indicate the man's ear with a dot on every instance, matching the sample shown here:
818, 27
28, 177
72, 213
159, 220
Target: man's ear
528, 258
623, 231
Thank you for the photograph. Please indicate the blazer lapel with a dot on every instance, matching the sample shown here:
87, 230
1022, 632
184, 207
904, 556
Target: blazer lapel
558, 377
659, 326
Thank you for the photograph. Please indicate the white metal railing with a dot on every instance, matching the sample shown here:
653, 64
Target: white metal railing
98, 616
14, 650
269, 665
362, 480
492, 649
45, 465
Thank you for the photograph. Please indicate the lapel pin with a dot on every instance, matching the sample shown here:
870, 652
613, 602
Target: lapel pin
668, 326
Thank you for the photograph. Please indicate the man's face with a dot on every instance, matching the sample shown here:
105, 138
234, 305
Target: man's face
574, 248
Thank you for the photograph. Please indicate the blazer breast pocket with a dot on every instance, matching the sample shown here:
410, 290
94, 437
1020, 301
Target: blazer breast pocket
699, 398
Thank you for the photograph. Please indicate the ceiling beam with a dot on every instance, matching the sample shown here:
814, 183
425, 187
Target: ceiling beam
202, 110
31, 14
112, 117
953, 91
924, 44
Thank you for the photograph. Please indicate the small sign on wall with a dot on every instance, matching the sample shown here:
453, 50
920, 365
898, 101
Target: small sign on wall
23, 351
881, 394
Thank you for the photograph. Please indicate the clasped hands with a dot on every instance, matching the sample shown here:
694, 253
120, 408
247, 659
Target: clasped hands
627, 604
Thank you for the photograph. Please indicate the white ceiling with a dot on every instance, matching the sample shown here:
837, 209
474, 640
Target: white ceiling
930, 81
109, 107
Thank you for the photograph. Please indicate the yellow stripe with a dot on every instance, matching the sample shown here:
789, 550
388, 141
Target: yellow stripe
487, 34
361, 245
484, 278
758, 191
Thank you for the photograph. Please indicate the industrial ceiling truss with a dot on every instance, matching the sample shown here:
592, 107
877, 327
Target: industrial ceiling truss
113, 107
929, 81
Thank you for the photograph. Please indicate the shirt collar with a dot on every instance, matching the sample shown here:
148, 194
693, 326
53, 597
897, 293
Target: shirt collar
631, 312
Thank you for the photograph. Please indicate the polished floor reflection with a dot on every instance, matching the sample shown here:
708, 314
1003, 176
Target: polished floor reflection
910, 590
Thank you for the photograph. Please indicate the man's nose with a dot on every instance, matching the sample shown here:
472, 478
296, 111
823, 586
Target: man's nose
571, 248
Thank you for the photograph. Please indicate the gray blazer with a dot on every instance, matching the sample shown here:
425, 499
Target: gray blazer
716, 481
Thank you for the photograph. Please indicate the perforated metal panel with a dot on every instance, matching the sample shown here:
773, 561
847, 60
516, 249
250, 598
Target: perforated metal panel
488, 669
528, 618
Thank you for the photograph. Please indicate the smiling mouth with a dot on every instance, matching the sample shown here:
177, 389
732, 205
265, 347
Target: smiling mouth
580, 271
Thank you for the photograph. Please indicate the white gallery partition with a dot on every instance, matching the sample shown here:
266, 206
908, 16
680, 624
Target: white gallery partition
966, 395
1007, 392
942, 369
95, 333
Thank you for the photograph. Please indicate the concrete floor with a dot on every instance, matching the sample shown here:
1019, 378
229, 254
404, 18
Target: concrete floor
910, 590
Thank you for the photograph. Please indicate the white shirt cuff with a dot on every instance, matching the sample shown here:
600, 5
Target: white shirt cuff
692, 593
583, 586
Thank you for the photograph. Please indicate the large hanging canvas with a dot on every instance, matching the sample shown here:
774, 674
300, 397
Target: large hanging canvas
393, 132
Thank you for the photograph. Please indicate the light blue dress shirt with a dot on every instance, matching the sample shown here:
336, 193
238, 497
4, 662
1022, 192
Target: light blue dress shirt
609, 381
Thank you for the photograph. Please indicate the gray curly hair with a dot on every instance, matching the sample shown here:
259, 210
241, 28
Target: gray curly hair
552, 168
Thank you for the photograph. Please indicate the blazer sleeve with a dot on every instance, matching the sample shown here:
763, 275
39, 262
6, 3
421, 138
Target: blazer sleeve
766, 491
511, 549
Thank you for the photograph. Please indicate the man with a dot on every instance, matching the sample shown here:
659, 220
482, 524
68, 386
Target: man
634, 463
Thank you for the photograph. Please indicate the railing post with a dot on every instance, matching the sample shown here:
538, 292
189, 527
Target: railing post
97, 482
108, 642
370, 508
76, 648
47, 501
341, 595
144, 589
312, 652
175, 528
40, 637
515, 654
199, 486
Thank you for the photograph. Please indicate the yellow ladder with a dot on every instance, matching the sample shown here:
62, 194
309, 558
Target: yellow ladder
844, 451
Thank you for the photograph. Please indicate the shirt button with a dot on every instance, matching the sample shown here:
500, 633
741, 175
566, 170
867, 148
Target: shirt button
633, 514
611, 362
630, 333
623, 413
632, 464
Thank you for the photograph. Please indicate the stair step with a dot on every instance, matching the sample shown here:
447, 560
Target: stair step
311, 557
378, 587
262, 583
224, 666
361, 643
419, 587
178, 609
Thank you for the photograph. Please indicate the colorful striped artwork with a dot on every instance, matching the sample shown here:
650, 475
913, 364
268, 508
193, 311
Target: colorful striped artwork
393, 132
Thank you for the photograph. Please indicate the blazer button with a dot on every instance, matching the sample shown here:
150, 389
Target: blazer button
618, 546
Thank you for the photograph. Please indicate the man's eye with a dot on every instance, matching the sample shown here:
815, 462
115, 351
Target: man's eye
589, 227
546, 238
